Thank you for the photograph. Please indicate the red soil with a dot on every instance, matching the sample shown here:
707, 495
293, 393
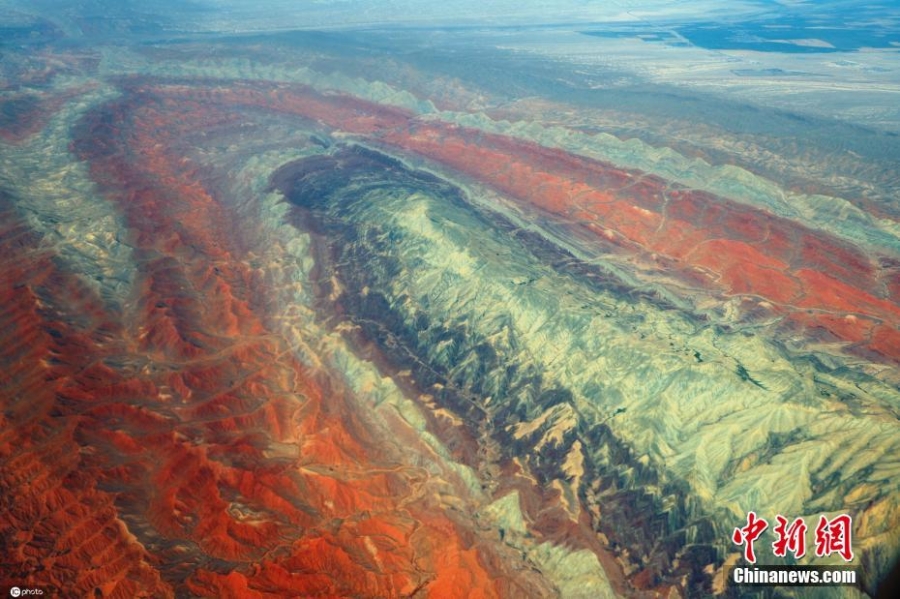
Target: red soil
747, 251
181, 419
57, 527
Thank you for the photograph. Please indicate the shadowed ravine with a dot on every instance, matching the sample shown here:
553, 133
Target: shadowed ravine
530, 363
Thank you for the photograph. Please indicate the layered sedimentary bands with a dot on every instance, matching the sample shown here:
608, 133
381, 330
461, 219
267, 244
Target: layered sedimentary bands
271, 335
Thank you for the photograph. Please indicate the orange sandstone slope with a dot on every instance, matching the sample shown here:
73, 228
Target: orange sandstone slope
173, 445
58, 529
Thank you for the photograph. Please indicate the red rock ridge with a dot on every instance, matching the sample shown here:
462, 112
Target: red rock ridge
814, 279
175, 445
